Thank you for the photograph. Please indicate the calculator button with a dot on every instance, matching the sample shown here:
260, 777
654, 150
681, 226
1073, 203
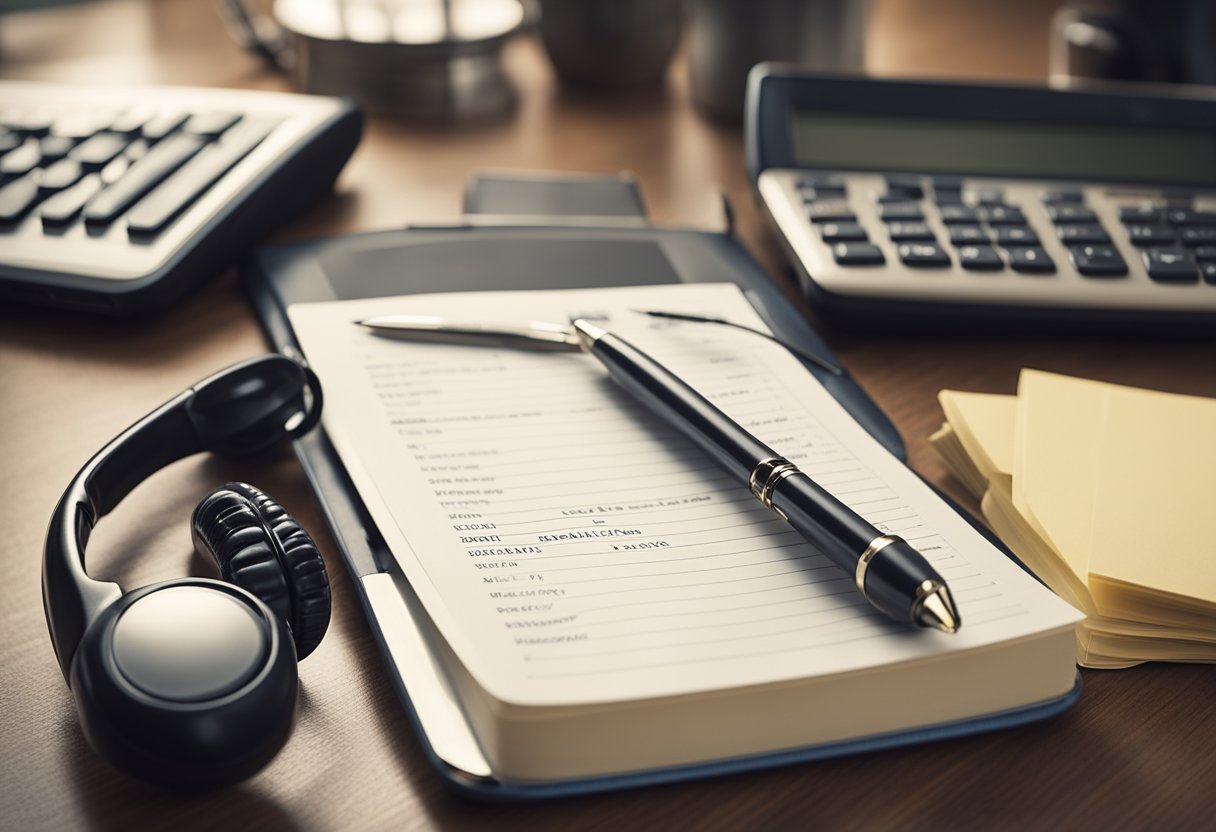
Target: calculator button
904, 182
1082, 232
858, 254
55, 147
1208, 271
1016, 235
841, 232
98, 150
963, 234
900, 211
62, 174
1150, 235
1204, 253
159, 126
990, 196
946, 182
17, 197
1140, 214
210, 125
923, 255
1187, 216
1097, 261
1170, 265
897, 195
1065, 196
821, 180
1003, 215
954, 214
63, 207
1062, 214
144, 175
833, 210
947, 197
813, 194
1031, 259
910, 232
980, 258
1199, 236
21, 161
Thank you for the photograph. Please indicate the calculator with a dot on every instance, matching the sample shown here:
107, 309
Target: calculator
929, 203
119, 200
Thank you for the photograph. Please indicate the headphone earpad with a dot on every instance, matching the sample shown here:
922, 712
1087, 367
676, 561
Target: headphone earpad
259, 547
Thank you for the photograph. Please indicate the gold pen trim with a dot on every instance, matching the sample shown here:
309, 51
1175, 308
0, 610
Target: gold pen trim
863, 563
766, 476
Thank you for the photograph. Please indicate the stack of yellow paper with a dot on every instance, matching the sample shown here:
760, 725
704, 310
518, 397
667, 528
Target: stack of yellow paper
1107, 494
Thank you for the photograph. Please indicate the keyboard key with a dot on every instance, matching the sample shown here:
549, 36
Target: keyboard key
923, 255
114, 171
1063, 196
1098, 261
990, 196
210, 124
62, 174
946, 182
947, 197
1063, 214
1016, 235
17, 197
159, 126
1140, 214
1170, 265
97, 151
833, 210
900, 211
980, 258
136, 150
955, 214
1031, 260
897, 195
904, 182
1204, 253
1204, 236
21, 161
1188, 216
910, 232
1082, 232
842, 232
1156, 234
858, 254
63, 207
131, 121
54, 147
1208, 272
1003, 215
144, 175
964, 234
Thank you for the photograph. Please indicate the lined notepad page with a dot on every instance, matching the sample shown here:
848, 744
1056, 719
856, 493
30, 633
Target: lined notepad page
573, 549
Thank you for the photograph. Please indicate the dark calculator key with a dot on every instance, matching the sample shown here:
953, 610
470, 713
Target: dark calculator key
210, 124
1098, 261
821, 180
1031, 259
1199, 236
62, 174
63, 207
1188, 216
980, 258
1065, 196
952, 214
159, 126
1205, 253
900, 211
17, 197
990, 196
812, 194
22, 160
1140, 214
1170, 265
97, 151
1082, 232
946, 182
1003, 215
858, 254
1155, 234
923, 255
963, 234
1062, 214
947, 197
1208, 272
55, 147
910, 232
898, 195
842, 232
1016, 235
833, 210
144, 175
903, 182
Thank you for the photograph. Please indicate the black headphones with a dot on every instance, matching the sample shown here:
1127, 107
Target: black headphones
192, 682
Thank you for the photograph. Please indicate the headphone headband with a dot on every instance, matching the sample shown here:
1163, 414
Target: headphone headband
239, 411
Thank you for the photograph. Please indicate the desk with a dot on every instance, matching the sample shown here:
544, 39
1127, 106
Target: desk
1135, 752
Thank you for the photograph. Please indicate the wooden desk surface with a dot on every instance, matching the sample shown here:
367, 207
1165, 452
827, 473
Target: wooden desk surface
1135, 752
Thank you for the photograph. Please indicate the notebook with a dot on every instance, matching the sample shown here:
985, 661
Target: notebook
604, 601
1101, 490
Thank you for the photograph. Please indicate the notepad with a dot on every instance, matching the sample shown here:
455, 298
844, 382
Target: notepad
607, 599
1103, 495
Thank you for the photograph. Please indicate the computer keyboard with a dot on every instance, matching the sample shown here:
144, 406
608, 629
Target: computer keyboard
120, 200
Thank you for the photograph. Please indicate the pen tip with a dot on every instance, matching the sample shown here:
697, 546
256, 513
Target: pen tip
937, 611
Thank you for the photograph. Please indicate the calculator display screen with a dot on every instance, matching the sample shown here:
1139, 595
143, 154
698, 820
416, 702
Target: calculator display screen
859, 141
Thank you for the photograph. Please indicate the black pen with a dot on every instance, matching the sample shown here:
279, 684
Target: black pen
892, 575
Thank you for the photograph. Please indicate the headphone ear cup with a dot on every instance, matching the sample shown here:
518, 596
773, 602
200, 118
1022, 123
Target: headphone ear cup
262, 549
